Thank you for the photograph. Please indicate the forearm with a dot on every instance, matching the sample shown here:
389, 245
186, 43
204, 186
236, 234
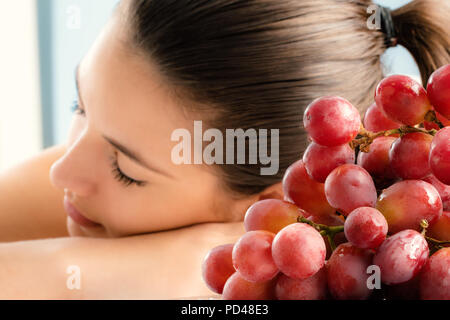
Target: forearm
32, 270
164, 265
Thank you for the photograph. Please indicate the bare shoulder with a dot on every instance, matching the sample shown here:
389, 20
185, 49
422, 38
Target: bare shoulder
43, 159
30, 207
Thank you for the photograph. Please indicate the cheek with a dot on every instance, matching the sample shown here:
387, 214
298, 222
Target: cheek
156, 210
130, 214
122, 211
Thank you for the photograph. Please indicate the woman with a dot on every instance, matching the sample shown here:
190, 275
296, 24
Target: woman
117, 208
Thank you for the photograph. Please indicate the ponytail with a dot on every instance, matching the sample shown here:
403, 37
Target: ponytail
422, 27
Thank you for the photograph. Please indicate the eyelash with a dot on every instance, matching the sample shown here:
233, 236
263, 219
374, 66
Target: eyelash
121, 177
117, 173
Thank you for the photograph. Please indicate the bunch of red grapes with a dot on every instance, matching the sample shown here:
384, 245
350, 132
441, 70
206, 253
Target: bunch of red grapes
366, 212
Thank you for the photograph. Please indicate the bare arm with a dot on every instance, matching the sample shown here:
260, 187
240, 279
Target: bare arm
30, 207
165, 265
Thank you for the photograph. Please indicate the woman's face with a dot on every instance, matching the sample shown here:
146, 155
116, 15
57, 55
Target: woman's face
123, 127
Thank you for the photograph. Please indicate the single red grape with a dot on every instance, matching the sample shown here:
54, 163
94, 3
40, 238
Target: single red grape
312, 288
402, 99
252, 256
347, 272
299, 251
406, 203
435, 279
401, 256
320, 161
237, 288
331, 121
439, 90
376, 121
440, 155
366, 228
217, 267
409, 155
441, 229
305, 192
271, 215
376, 161
349, 187
442, 189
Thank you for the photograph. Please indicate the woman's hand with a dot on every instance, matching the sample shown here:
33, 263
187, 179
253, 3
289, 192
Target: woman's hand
164, 265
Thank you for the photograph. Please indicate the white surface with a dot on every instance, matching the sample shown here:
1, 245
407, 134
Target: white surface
20, 110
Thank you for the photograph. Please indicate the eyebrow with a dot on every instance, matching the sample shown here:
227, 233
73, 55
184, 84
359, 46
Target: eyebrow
127, 152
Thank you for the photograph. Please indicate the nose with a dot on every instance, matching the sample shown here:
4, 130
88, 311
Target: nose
76, 170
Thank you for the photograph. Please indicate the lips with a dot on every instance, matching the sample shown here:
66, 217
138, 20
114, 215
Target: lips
77, 216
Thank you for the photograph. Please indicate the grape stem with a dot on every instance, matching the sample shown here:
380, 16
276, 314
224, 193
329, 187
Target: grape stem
424, 225
367, 137
324, 230
438, 244
331, 242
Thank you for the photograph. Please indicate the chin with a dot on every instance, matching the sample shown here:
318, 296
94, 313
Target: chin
75, 230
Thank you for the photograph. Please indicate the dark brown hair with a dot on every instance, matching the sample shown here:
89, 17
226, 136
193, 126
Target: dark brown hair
259, 63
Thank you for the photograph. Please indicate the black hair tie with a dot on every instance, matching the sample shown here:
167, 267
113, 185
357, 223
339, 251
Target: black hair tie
387, 27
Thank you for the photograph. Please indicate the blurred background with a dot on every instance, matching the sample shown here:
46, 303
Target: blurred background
43, 41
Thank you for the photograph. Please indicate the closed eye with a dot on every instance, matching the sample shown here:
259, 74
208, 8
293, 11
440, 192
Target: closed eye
123, 178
